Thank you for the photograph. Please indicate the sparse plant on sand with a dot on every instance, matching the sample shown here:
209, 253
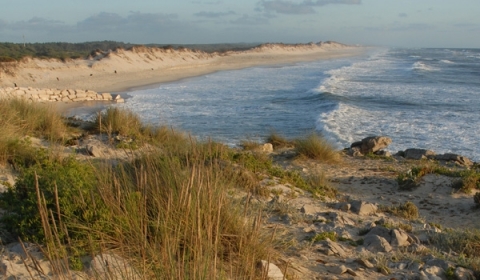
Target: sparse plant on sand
408, 210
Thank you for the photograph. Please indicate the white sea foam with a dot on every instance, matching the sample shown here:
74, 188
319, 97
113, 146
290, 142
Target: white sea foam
447, 61
345, 99
423, 67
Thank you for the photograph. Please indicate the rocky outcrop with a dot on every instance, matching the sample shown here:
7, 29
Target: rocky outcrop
368, 145
418, 154
57, 95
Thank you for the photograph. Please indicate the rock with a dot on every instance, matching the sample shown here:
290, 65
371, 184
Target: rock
399, 238
418, 154
375, 243
464, 274
344, 206
433, 273
107, 96
93, 150
380, 231
331, 248
267, 148
456, 158
440, 263
341, 269
414, 266
365, 263
351, 272
340, 220
363, 208
270, 270
308, 209
371, 144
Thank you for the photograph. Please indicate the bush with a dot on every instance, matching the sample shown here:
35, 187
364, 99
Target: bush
316, 147
63, 184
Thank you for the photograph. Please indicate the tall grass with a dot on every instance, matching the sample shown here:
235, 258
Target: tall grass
20, 118
316, 147
118, 121
166, 212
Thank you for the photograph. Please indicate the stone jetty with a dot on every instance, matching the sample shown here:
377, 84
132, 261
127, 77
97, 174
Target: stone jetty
57, 95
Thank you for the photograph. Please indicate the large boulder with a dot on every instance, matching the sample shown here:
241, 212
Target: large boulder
363, 208
418, 154
370, 145
375, 243
456, 158
270, 270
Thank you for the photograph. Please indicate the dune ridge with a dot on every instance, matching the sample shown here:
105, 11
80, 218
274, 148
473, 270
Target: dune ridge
120, 69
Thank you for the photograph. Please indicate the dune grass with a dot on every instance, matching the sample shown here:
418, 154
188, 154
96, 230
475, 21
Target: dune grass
316, 147
165, 211
20, 118
278, 141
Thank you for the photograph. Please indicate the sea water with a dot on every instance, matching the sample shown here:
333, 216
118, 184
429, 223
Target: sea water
421, 98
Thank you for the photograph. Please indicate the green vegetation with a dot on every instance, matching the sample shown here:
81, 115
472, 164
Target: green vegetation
20, 118
469, 178
165, 210
57, 50
316, 147
324, 235
464, 242
15, 51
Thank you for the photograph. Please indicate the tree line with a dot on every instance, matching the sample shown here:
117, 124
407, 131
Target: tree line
10, 52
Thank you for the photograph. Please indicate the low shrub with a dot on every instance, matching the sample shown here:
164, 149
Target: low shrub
324, 235
64, 184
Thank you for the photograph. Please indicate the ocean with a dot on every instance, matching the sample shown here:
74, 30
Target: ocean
421, 98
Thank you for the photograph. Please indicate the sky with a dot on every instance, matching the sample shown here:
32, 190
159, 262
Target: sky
396, 23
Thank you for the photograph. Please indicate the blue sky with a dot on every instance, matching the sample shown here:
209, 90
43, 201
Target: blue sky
400, 23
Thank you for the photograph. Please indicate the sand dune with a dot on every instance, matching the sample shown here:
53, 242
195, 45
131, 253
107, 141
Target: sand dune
119, 70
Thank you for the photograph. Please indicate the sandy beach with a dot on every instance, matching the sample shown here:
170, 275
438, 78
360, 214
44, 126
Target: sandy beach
121, 70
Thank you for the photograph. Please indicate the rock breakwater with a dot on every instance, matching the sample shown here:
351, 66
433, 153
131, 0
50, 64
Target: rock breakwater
57, 95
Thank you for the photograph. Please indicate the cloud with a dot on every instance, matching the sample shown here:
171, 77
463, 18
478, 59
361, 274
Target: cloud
402, 15
304, 7
214, 14
250, 20
135, 27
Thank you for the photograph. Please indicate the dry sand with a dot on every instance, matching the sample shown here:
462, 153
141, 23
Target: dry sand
120, 70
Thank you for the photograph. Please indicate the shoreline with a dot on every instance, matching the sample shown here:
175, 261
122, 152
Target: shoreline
199, 71
123, 71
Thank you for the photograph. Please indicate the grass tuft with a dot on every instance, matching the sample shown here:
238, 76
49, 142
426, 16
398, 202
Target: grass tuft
408, 210
316, 147
278, 141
